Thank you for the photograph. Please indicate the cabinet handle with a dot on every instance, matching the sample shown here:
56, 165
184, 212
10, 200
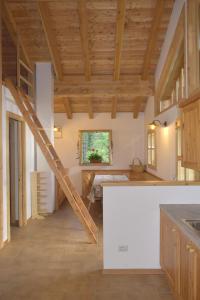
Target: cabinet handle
174, 230
188, 247
191, 250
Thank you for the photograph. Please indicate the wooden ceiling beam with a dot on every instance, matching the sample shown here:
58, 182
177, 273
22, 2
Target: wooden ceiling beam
90, 109
84, 37
153, 37
50, 38
121, 11
67, 106
136, 112
139, 101
103, 92
13, 31
135, 88
106, 78
114, 108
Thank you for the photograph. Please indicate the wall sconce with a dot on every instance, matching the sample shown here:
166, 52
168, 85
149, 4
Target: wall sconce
157, 123
57, 132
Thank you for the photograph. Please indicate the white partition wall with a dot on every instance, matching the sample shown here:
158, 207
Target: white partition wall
45, 113
131, 223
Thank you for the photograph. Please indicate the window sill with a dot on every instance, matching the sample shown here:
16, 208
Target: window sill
95, 164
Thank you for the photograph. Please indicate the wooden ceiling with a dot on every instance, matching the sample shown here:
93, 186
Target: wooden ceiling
104, 52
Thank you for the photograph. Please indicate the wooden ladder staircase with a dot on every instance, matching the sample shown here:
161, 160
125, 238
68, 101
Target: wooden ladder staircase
53, 160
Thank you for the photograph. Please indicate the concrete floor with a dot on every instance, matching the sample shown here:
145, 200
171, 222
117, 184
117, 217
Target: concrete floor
51, 260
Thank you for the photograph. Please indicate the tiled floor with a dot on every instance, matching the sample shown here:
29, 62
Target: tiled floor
51, 260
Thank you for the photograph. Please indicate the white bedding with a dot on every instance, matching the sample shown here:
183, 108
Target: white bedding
97, 190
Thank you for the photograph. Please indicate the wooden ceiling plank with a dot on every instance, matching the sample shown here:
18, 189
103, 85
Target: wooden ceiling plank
114, 108
84, 37
153, 36
50, 38
90, 109
13, 31
67, 106
121, 11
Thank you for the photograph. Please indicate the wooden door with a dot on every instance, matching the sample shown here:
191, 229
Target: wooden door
170, 252
191, 136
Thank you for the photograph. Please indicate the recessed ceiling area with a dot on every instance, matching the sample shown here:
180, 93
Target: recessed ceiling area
104, 53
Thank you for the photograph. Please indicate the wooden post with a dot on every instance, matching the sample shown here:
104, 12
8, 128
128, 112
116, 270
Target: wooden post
1, 160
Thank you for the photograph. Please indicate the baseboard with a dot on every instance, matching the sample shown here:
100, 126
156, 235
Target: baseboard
133, 271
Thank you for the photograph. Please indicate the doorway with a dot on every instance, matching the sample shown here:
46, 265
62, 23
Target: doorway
16, 172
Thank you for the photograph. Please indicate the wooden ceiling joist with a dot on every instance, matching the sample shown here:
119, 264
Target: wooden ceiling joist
50, 38
153, 37
110, 88
68, 109
90, 109
11, 26
83, 19
136, 112
138, 102
114, 108
121, 11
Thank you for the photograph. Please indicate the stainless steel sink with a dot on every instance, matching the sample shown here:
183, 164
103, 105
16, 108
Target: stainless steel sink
195, 224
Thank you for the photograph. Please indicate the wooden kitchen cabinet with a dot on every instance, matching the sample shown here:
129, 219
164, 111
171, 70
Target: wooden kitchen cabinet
170, 252
180, 260
190, 275
191, 136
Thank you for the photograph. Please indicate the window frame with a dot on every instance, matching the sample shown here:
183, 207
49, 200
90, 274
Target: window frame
81, 163
173, 72
150, 165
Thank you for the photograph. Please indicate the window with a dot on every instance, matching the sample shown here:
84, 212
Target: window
183, 174
95, 147
170, 89
151, 148
176, 92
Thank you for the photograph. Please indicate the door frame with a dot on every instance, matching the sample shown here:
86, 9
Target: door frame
22, 172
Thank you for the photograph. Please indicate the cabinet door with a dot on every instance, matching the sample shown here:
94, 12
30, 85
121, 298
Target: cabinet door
170, 252
191, 136
190, 273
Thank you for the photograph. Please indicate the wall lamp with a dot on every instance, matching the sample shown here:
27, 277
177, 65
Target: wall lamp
157, 123
57, 132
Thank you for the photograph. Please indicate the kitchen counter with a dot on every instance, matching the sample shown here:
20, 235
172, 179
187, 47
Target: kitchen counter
178, 212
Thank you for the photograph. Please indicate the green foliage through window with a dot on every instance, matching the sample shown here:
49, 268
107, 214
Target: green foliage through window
95, 146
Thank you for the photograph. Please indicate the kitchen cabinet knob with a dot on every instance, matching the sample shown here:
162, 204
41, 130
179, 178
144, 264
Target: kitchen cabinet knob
188, 247
191, 250
174, 230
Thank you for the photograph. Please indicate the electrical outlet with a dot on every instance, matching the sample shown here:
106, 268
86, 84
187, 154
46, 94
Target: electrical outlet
123, 248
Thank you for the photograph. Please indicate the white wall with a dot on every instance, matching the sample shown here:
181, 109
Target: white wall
45, 113
165, 137
9, 106
131, 218
128, 140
